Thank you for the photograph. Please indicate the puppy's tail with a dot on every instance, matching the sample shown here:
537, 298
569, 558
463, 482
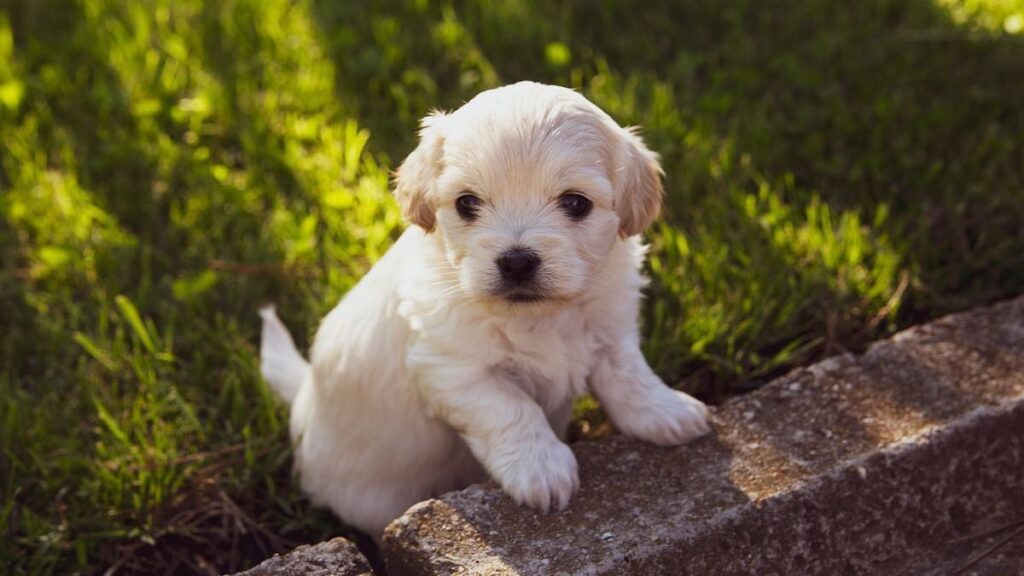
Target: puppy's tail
280, 361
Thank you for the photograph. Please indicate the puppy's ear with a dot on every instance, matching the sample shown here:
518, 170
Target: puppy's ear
638, 184
415, 177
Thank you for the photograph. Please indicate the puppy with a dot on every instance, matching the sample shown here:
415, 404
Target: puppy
516, 289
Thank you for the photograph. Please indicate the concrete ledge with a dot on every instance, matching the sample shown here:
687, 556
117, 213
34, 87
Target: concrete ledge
337, 557
906, 460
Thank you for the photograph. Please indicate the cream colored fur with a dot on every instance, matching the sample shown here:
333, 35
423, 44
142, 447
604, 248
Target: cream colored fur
422, 380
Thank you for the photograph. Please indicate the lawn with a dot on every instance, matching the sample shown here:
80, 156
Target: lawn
835, 171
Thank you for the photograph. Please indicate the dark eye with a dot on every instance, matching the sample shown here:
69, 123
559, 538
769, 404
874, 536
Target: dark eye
467, 206
576, 206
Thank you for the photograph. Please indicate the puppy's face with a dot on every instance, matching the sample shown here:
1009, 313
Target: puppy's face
528, 187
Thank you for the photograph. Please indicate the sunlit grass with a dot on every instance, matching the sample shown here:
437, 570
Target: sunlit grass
991, 15
834, 171
173, 168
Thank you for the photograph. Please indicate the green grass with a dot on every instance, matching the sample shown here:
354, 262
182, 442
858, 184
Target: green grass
835, 171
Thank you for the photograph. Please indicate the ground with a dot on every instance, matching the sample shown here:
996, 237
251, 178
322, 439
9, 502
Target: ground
834, 171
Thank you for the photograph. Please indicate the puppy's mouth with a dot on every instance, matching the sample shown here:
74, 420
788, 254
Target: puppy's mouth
523, 297
520, 294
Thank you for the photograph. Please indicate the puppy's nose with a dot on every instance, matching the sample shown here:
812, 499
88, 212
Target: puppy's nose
518, 265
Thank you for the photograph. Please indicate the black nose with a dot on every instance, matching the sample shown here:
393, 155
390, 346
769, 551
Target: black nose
518, 265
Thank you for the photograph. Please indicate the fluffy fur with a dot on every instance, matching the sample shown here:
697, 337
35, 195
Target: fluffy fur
429, 376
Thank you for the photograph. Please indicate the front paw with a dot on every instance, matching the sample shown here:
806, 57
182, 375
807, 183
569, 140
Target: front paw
540, 476
668, 420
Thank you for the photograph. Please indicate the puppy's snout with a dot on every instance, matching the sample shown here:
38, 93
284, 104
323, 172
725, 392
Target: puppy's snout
518, 265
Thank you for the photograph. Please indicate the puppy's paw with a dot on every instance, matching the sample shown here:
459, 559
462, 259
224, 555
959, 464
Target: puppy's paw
671, 419
542, 477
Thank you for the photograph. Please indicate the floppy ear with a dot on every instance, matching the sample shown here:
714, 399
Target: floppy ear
638, 185
415, 177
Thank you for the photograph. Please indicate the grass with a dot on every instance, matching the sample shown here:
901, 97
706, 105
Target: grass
835, 171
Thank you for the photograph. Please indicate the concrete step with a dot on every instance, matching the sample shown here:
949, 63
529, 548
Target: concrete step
908, 459
336, 557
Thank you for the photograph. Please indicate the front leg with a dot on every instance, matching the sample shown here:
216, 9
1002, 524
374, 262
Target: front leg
639, 403
505, 429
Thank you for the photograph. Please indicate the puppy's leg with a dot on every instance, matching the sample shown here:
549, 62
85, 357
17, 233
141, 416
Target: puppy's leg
505, 430
639, 403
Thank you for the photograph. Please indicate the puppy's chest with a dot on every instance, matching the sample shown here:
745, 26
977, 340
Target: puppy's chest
550, 359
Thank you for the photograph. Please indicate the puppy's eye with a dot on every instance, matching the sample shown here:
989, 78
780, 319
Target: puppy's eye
467, 205
575, 206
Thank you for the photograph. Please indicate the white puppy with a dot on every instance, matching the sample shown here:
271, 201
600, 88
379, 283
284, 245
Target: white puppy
516, 289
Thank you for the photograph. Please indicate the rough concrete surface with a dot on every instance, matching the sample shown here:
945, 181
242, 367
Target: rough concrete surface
337, 557
908, 459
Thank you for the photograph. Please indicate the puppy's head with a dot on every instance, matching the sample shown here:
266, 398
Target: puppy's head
528, 187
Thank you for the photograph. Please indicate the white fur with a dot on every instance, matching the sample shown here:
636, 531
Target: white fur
280, 361
422, 380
